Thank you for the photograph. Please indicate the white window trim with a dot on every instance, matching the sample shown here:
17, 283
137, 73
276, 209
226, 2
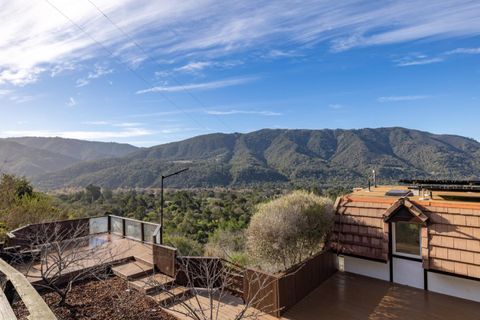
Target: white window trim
408, 255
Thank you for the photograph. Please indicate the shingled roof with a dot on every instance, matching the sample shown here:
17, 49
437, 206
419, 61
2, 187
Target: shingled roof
450, 236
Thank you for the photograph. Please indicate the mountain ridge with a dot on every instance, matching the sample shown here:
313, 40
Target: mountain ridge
283, 156
31, 156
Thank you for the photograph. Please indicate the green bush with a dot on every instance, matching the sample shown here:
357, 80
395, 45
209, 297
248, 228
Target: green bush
289, 229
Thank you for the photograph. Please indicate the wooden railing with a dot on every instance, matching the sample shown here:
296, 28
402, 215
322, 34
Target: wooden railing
15, 282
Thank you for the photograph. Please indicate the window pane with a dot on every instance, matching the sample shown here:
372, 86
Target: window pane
407, 238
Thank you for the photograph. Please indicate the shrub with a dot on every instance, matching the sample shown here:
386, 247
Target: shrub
184, 245
289, 229
227, 244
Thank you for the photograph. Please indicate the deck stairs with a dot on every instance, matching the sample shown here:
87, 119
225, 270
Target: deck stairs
143, 278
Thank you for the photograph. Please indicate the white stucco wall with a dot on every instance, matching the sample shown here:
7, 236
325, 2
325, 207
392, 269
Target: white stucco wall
364, 267
409, 273
454, 286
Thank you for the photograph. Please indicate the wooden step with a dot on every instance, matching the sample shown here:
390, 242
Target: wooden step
152, 284
172, 295
132, 270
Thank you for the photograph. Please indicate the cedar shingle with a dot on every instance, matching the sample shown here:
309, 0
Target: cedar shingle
459, 220
473, 271
460, 244
472, 221
448, 266
461, 268
473, 245
440, 252
453, 255
466, 256
447, 242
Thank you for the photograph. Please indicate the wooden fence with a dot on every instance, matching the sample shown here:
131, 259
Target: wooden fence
272, 293
276, 293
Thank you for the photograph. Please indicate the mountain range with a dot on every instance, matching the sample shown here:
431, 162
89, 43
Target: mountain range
32, 156
265, 157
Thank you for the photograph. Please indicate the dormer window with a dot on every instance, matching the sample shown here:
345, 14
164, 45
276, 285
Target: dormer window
407, 239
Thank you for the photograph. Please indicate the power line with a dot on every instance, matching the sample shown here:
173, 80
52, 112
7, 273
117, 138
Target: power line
111, 53
180, 84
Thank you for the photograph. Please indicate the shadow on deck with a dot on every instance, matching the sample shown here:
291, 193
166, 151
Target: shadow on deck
351, 296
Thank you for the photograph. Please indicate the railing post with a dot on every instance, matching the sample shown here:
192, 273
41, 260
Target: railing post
109, 224
124, 227
142, 231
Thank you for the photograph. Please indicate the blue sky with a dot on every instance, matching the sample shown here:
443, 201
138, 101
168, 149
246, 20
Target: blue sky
151, 72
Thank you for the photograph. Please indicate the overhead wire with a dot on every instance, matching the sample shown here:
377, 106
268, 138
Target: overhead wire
112, 54
145, 52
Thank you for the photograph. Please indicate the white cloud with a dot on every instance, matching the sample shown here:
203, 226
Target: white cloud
200, 86
97, 123
83, 135
402, 98
232, 112
71, 102
464, 51
194, 66
276, 53
127, 124
98, 72
416, 62
35, 38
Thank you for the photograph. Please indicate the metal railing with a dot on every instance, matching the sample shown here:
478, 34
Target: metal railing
16, 282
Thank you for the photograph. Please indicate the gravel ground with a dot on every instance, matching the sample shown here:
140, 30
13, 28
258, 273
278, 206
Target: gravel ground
107, 299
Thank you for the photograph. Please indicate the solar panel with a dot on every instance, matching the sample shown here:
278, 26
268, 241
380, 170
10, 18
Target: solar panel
444, 185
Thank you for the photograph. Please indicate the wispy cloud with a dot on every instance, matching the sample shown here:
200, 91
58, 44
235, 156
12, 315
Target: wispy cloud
402, 98
5, 92
114, 124
97, 123
232, 112
71, 102
98, 72
416, 62
277, 53
83, 135
200, 86
195, 66
464, 51
16, 97
36, 38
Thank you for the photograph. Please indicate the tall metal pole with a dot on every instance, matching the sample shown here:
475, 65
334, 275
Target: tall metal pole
162, 200
161, 210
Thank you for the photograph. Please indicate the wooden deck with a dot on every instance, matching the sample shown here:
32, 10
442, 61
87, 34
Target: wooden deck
106, 249
228, 308
349, 296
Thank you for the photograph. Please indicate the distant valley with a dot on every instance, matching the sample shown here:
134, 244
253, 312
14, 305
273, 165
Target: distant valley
265, 157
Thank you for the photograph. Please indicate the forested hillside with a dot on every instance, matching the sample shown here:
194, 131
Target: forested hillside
283, 157
31, 156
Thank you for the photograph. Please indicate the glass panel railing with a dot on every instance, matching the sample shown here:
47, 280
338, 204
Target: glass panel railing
98, 225
149, 230
133, 229
117, 225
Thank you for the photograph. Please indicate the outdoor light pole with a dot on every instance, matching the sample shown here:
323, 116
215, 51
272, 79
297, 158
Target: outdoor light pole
162, 200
